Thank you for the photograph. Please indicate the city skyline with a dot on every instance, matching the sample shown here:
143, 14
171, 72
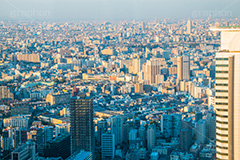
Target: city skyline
110, 89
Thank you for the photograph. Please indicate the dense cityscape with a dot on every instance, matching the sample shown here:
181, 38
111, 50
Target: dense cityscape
125, 90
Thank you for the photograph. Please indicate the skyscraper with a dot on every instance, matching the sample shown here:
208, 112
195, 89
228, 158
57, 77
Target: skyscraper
183, 68
40, 140
201, 131
186, 134
151, 136
227, 102
211, 125
137, 65
101, 128
189, 26
116, 128
151, 70
81, 119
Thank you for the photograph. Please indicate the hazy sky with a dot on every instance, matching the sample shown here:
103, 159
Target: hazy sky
109, 10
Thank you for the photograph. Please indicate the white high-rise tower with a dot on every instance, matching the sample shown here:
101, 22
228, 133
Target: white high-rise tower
189, 26
227, 102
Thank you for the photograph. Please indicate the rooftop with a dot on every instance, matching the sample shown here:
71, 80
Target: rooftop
60, 138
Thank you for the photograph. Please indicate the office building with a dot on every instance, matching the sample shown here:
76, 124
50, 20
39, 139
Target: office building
137, 65
81, 119
5, 140
171, 125
15, 122
25, 152
186, 134
108, 146
183, 68
151, 136
62, 129
34, 58
40, 140
116, 128
189, 26
55, 98
211, 125
227, 102
201, 131
198, 116
58, 147
102, 127
48, 133
151, 69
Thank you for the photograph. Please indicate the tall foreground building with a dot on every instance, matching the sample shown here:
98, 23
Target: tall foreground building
227, 102
183, 68
81, 119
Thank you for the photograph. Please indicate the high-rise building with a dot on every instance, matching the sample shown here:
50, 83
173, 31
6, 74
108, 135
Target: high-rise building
48, 133
81, 119
40, 140
16, 137
137, 65
142, 133
101, 128
201, 131
108, 146
211, 125
5, 140
183, 68
132, 136
186, 134
189, 26
151, 69
198, 116
151, 136
171, 125
116, 128
227, 102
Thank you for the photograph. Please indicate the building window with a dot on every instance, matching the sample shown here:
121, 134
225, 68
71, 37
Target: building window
222, 59
221, 71
221, 84
221, 65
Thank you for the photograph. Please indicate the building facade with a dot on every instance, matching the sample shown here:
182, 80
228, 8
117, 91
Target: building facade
81, 119
227, 102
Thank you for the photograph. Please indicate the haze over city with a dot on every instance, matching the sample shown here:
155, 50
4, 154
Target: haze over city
113, 10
